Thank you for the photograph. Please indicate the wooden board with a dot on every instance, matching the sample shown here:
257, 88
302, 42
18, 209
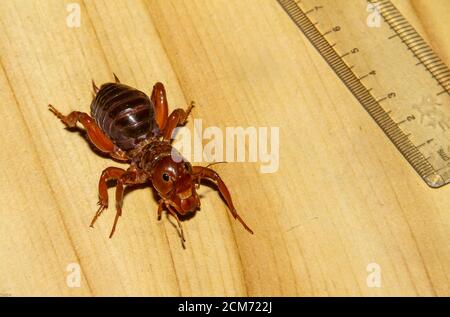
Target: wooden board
343, 197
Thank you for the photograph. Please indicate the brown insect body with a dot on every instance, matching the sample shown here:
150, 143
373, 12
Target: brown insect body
157, 159
125, 114
133, 128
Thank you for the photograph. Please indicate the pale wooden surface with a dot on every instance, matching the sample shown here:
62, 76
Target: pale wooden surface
343, 196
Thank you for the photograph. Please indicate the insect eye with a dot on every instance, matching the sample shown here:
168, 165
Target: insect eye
165, 177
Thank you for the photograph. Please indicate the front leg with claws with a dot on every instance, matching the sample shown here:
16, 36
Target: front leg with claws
110, 173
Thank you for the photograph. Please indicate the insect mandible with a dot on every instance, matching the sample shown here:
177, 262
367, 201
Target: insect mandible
132, 128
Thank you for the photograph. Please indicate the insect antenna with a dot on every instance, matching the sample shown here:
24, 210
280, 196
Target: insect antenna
214, 163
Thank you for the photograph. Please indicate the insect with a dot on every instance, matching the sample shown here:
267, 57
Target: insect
133, 128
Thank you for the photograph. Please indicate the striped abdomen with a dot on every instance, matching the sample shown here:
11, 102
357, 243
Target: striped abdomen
125, 114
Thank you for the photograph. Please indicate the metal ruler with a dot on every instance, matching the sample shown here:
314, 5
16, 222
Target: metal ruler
391, 71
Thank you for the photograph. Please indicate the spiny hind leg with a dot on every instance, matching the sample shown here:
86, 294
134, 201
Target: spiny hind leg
110, 173
178, 117
130, 177
95, 134
119, 202
123, 178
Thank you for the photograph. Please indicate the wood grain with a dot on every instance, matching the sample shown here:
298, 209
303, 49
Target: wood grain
342, 198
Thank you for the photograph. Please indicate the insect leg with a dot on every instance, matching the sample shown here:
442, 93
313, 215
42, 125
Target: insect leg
130, 177
96, 135
159, 100
174, 214
177, 118
160, 208
110, 173
199, 172
119, 201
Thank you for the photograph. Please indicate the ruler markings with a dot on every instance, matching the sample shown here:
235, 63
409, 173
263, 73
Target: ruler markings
414, 37
407, 41
413, 42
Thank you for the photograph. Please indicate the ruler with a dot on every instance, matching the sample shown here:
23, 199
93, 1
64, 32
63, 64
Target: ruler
391, 70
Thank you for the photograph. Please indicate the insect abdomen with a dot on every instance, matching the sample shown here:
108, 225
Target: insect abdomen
125, 114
